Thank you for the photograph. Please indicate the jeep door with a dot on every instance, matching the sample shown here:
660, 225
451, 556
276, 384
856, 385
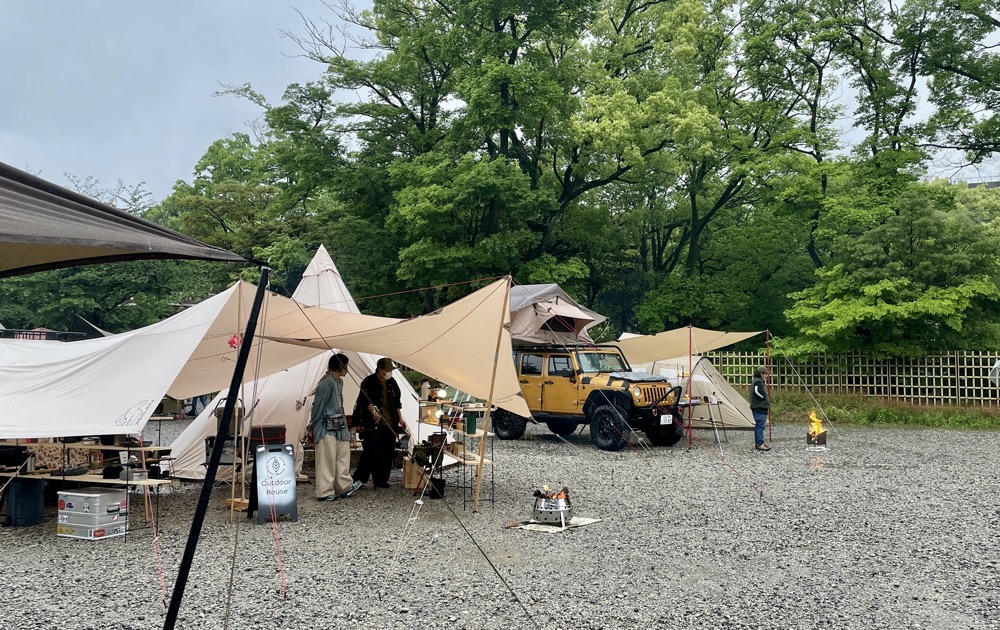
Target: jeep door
529, 369
559, 387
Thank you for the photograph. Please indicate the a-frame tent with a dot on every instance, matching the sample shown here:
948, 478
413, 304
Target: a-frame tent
285, 398
731, 410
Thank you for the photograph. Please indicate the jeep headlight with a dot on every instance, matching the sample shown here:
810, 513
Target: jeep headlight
637, 392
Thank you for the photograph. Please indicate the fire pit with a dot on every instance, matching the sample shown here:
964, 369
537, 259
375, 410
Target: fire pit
816, 436
552, 507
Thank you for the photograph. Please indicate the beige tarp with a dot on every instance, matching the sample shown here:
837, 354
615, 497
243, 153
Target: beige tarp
466, 344
677, 342
110, 385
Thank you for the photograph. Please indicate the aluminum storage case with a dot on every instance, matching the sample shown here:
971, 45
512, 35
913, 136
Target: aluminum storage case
93, 501
92, 520
89, 532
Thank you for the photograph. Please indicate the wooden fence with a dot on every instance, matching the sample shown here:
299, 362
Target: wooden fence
957, 378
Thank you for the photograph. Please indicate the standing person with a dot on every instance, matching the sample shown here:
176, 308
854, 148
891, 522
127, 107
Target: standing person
328, 425
380, 408
760, 404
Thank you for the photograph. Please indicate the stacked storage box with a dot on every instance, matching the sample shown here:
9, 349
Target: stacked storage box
92, 513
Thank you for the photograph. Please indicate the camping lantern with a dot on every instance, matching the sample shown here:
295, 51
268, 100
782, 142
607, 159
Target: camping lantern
552, 507
816, 436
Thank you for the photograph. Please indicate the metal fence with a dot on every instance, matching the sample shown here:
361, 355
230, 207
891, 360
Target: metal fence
957, 378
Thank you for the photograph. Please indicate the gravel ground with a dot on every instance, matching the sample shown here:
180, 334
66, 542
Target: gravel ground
887, 529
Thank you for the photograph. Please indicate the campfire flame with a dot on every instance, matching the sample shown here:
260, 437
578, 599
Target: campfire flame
547, 493
815, 424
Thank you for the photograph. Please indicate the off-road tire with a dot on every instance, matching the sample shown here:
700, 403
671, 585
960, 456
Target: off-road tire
608, 429
666, 435
507, 425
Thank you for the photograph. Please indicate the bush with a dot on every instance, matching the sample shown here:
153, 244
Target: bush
860, 410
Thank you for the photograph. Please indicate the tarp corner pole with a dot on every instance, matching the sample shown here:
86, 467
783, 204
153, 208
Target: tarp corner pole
489, 402
213, 462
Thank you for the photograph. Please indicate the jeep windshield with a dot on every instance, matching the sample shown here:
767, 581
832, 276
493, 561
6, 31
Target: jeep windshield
594, 362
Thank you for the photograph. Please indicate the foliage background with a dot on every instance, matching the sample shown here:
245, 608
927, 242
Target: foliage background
667, 162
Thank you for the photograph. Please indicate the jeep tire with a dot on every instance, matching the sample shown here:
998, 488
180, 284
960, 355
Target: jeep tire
507, 425
608, 429
666, 435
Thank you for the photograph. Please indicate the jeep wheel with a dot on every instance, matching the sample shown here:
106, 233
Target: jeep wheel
507, 425
561, 428
666, 435
608, 429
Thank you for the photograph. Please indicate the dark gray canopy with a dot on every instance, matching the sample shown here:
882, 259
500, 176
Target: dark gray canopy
44, 226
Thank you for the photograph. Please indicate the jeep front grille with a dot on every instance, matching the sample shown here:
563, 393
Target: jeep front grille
651, 394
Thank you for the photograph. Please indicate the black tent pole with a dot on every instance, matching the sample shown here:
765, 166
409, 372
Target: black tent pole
213, 462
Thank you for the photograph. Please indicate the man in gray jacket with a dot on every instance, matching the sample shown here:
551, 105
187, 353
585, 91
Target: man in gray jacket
760, 405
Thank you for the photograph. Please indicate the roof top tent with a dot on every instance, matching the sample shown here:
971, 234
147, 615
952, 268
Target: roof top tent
545, 314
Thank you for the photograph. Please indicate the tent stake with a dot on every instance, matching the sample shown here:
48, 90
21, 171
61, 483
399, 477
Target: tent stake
213, 463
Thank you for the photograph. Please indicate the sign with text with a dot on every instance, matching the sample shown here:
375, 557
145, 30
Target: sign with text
274, 468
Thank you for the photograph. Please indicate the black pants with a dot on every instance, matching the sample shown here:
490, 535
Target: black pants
378, 446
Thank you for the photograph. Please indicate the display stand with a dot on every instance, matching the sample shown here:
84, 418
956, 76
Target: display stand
273, 481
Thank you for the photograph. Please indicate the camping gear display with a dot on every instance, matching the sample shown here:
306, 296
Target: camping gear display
552, 507
92, 513
274, 479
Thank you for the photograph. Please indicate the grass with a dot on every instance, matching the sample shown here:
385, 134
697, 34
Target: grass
874, 412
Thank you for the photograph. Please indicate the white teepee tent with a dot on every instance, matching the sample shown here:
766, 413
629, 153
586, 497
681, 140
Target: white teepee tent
285, 398
732, 409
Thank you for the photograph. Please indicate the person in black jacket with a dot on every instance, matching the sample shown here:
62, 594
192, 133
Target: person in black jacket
760, 405
379, 409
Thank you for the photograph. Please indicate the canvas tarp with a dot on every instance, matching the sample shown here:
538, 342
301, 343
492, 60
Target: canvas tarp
466, 344
111, 385
679, 341
285, 397
545, 314
732, 410
44, 226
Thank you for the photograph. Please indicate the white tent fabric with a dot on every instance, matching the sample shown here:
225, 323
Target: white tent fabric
466, 344
677, 342
285, 397
732, 410
545, 314
111, 385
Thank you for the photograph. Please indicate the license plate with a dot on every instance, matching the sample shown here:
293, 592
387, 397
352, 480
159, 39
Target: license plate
666, 419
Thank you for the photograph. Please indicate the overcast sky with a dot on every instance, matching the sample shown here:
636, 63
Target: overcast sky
123, 89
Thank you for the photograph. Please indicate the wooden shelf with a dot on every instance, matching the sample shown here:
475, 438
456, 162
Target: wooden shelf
89, 479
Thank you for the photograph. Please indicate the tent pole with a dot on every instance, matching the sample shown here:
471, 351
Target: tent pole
489, 401
213, 463
687, 387
767, 363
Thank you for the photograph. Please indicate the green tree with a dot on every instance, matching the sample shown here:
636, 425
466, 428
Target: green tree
923, 280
